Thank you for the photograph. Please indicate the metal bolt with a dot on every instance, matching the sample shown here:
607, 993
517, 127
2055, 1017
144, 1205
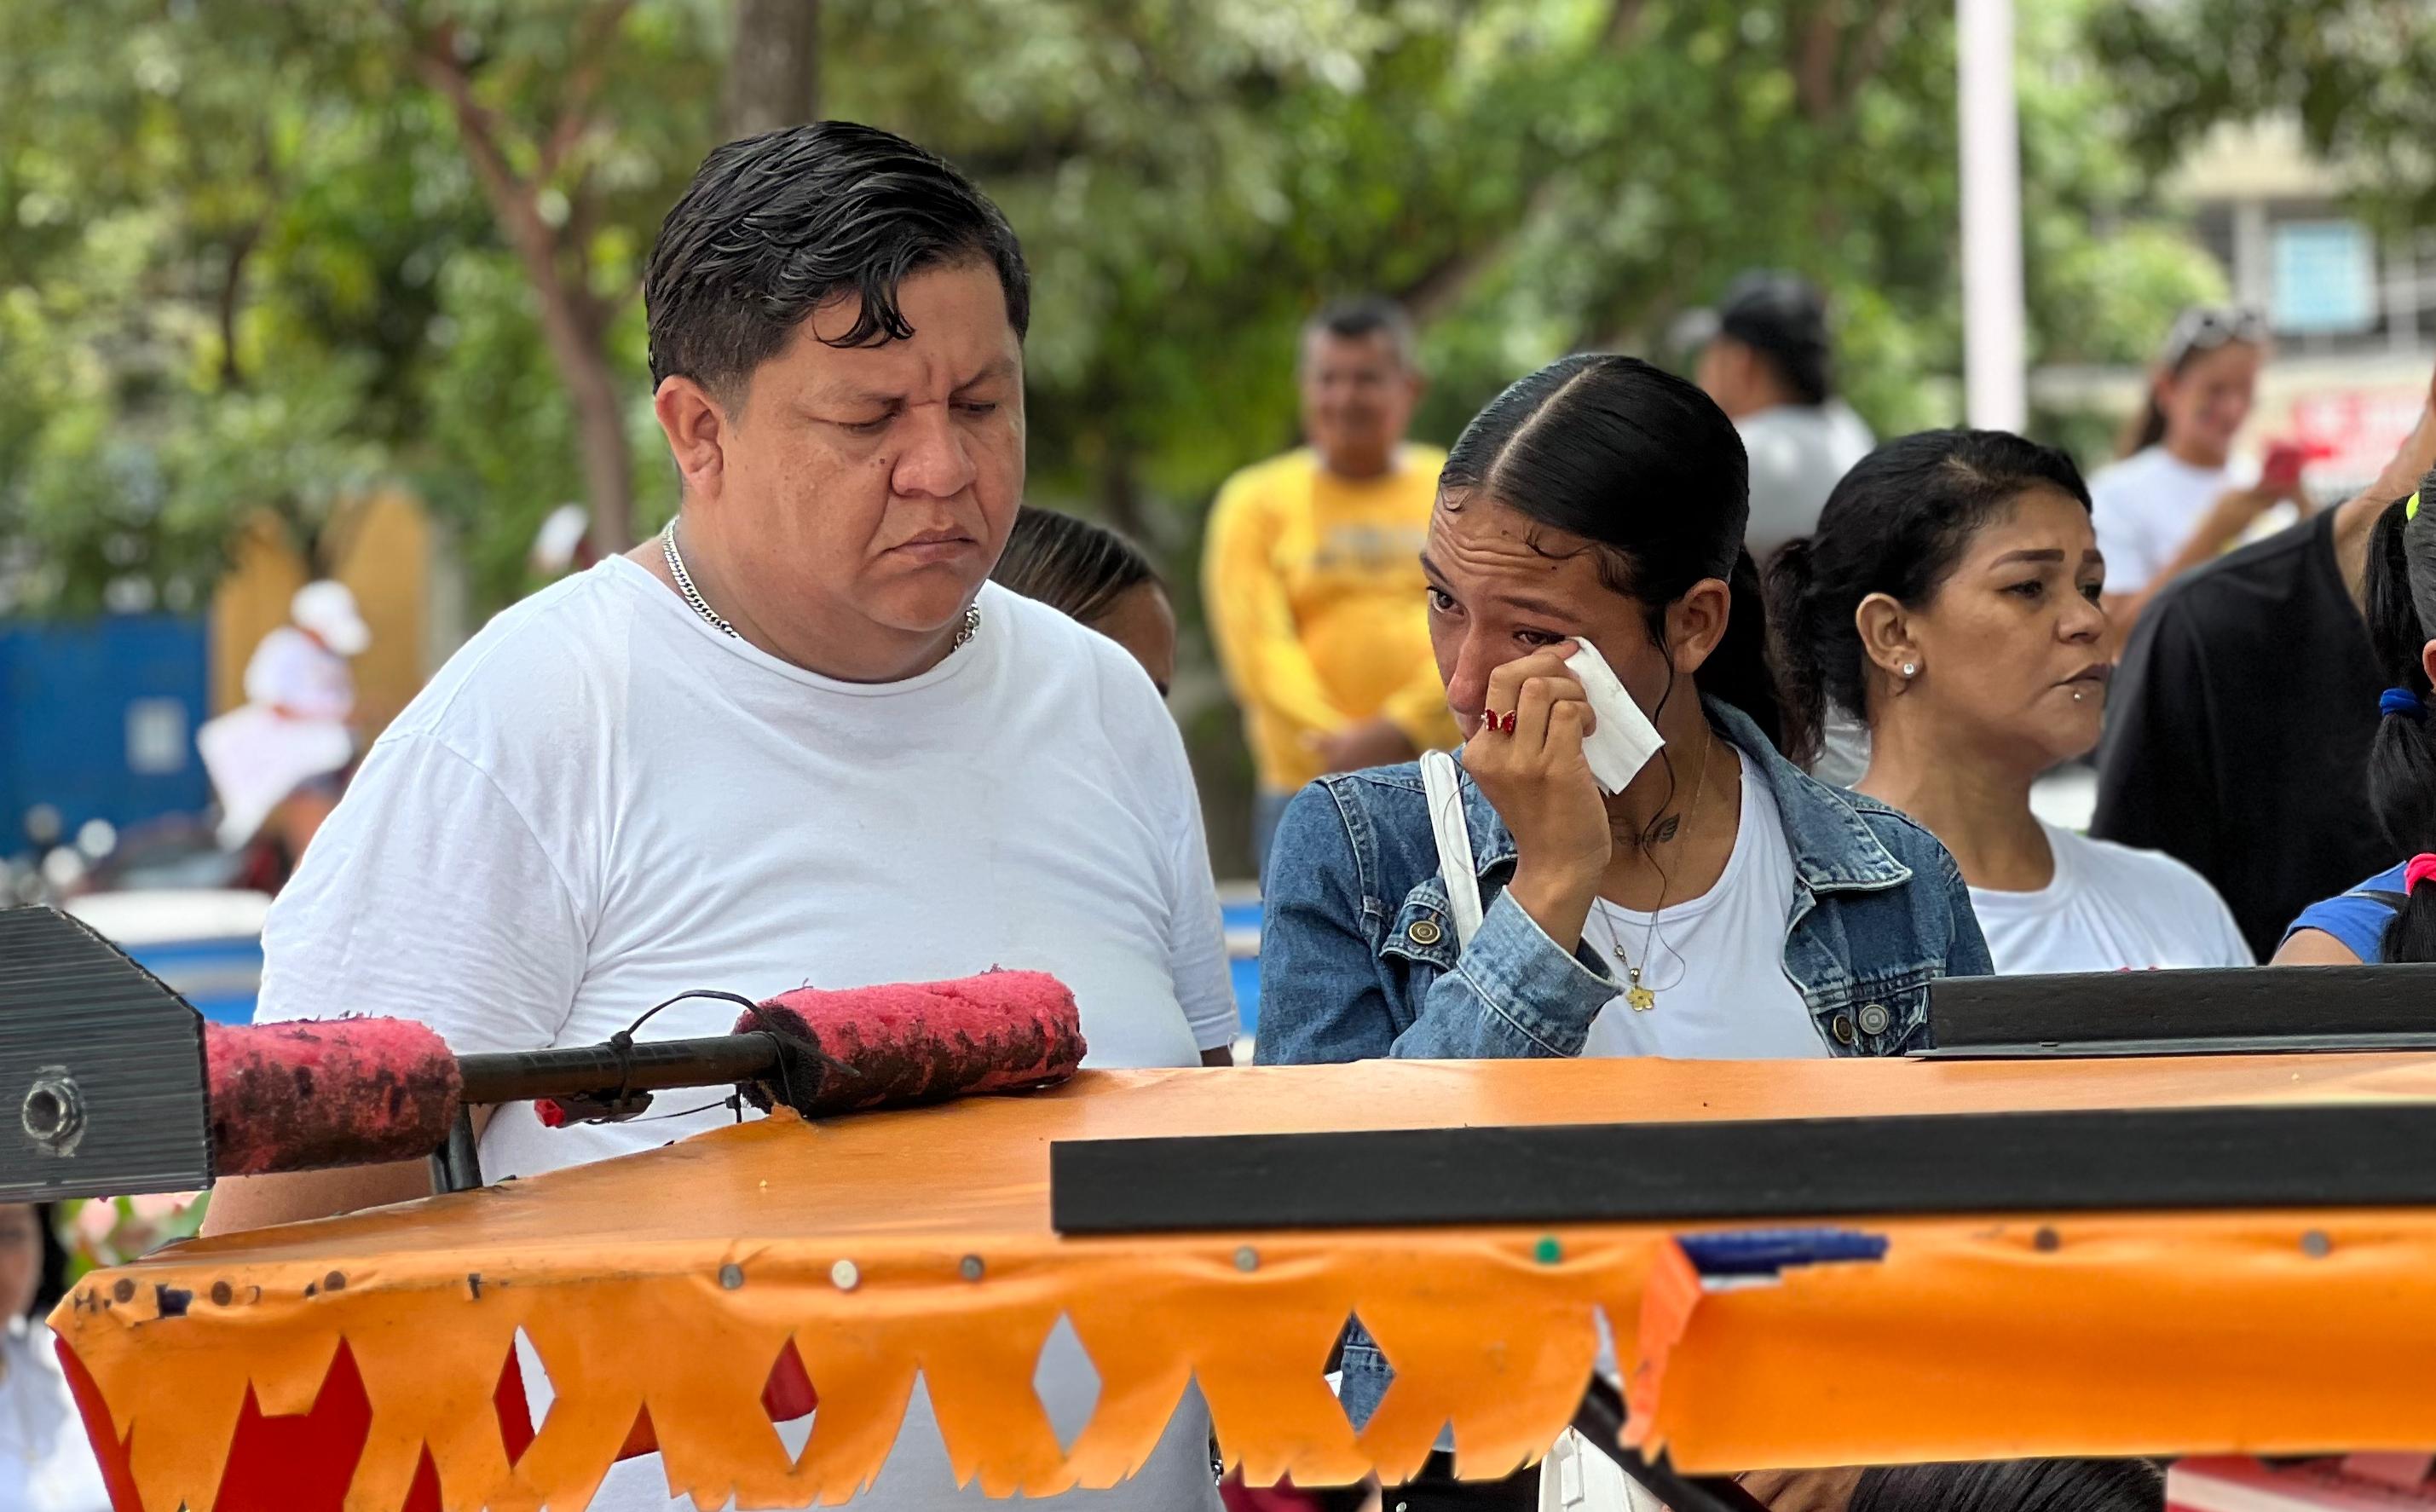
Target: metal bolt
2046, 1240
970, 1267
222, 1294
334, 1282
1247, 1259
731, 1276
2315, 1243
124, 1290
53, 1114
846, 1276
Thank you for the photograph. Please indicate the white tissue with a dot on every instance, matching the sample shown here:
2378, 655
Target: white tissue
1625, 739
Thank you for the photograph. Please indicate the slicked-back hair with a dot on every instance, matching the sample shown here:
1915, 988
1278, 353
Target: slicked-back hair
775, 226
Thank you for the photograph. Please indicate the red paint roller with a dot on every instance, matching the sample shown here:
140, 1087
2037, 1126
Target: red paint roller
364, 1091
920, 1042
344, 1091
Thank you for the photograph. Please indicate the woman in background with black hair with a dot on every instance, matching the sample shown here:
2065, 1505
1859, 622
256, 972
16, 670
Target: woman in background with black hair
1090, 573
1951, 598
2392, 916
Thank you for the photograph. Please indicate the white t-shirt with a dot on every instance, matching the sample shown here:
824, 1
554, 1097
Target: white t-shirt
602, 802
2109, 907
1798, 453
291, 671
1716, 962
2144, 508
46, 1464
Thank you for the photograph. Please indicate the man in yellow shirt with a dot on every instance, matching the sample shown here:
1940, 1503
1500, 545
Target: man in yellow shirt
1311, 573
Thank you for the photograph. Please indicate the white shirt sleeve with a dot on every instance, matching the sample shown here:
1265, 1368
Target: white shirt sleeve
2126, 533
1198, 946
428, 896
1196, 933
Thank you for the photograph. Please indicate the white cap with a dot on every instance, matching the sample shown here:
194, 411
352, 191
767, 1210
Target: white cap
328, 610
561, 536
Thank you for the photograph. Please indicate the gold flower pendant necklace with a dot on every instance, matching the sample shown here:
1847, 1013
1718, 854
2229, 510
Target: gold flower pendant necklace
1638, 995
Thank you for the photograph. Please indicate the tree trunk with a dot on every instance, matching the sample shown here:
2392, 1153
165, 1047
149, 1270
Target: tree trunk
774, 69
574, 322
600, 436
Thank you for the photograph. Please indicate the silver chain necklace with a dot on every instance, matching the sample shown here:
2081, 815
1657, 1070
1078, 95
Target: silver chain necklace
965, 631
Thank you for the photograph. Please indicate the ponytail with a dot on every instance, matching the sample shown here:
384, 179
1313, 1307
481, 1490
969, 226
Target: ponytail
1738, 670
2147, 429
1802, 648
2402, 759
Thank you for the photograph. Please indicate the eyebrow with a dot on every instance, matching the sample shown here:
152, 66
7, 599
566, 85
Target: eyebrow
997, 368
2050, 554
1522, 601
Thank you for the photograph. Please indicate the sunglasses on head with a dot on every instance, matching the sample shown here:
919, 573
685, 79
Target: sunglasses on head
2208, 327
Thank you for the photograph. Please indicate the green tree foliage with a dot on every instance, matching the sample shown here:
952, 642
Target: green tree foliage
2354, 72
256, 256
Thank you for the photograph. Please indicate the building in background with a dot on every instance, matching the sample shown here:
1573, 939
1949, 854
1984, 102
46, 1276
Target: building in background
2353, 314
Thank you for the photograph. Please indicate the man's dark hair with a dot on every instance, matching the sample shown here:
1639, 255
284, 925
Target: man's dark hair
1784, 319
1351, 320
775, 226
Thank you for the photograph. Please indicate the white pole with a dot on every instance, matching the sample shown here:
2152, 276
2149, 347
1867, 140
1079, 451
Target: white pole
1993, 346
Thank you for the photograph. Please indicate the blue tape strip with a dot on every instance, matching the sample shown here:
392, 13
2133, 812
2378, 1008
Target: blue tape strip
1766, 1251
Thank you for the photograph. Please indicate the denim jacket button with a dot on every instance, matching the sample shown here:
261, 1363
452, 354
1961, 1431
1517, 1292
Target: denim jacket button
1424, 932
1841, 1027
1874, 1018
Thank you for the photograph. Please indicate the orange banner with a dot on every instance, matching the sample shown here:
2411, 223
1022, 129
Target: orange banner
882, 1245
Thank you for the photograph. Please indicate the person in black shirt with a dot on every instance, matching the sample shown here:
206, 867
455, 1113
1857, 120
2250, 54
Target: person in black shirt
2238, 736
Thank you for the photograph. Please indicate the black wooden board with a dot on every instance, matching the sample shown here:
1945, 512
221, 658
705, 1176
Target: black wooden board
2300, 1156
2184, 1012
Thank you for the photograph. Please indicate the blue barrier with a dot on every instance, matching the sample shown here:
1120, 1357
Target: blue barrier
97, 720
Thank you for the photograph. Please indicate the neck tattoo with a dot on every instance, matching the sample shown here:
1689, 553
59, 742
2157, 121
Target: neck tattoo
1637, 995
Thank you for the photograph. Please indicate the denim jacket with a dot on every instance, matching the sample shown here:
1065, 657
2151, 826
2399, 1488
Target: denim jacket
1359, 959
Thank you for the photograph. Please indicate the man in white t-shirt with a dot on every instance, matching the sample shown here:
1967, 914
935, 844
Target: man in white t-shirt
1766, 359
797, 740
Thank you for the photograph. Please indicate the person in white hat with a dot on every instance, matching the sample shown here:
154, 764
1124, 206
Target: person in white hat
300, 671
299, 695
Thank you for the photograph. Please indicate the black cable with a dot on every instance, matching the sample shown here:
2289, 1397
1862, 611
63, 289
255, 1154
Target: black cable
1601, 1419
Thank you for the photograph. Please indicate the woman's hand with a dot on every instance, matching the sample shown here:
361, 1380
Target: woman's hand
1540, 783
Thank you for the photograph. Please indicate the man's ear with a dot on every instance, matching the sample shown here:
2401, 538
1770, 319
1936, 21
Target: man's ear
696, 425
